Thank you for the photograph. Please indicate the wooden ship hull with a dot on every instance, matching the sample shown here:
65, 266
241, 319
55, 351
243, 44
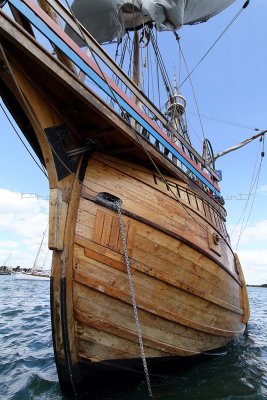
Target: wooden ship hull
188, 283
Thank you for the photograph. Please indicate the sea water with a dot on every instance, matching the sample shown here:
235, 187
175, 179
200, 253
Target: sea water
27, 368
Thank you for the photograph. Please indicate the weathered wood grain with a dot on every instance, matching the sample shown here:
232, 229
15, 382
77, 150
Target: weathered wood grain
187, 302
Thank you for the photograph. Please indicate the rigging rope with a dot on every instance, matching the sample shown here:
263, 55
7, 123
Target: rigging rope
252, 194
191, 83
239, 125
158, 81
115, 78
216, 41
242, 215
124, 48
18, 135
161, 64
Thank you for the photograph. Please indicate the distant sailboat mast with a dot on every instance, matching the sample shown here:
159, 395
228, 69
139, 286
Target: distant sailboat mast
39, 250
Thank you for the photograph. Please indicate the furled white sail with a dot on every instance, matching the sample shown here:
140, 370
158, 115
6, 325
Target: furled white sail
107, 19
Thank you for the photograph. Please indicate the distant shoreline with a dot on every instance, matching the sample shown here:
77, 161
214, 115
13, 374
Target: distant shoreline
262, 286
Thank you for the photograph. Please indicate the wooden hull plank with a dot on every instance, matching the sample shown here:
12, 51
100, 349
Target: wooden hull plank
199, 318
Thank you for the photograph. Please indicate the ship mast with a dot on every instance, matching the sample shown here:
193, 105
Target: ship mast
136, 64
136, 60
175, 107
136, 70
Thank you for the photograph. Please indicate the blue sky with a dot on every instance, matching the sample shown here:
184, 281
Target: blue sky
230, 85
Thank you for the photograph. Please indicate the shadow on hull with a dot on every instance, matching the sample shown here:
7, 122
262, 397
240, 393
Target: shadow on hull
101, 381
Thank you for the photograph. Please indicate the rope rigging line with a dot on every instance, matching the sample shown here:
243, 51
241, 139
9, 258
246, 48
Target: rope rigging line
242, 215
18, 135
161, 64
237, 124
158, 81
252, 194
122, 58
216, 41
191, 83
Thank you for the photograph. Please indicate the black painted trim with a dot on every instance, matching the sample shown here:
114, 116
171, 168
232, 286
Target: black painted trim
84, 163
65, 336
57, 137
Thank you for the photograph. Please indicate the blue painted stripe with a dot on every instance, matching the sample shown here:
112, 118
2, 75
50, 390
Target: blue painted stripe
101, 83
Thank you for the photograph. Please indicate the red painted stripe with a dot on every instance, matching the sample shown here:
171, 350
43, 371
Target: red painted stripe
60, 33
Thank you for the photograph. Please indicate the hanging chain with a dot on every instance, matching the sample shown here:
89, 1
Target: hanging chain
138, 327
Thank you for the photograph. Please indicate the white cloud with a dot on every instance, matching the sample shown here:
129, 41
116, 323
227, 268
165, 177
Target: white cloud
23, 220
255, 234
254, 264
263, 189
252, 251
8, 244
23, 215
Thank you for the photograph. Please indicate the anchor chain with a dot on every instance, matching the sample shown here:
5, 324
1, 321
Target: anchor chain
138, 326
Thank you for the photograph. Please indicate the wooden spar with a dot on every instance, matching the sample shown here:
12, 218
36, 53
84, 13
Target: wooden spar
53, 15
238, 146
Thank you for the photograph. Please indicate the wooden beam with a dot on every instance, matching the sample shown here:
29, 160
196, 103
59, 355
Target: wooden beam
119, 150
96, 133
